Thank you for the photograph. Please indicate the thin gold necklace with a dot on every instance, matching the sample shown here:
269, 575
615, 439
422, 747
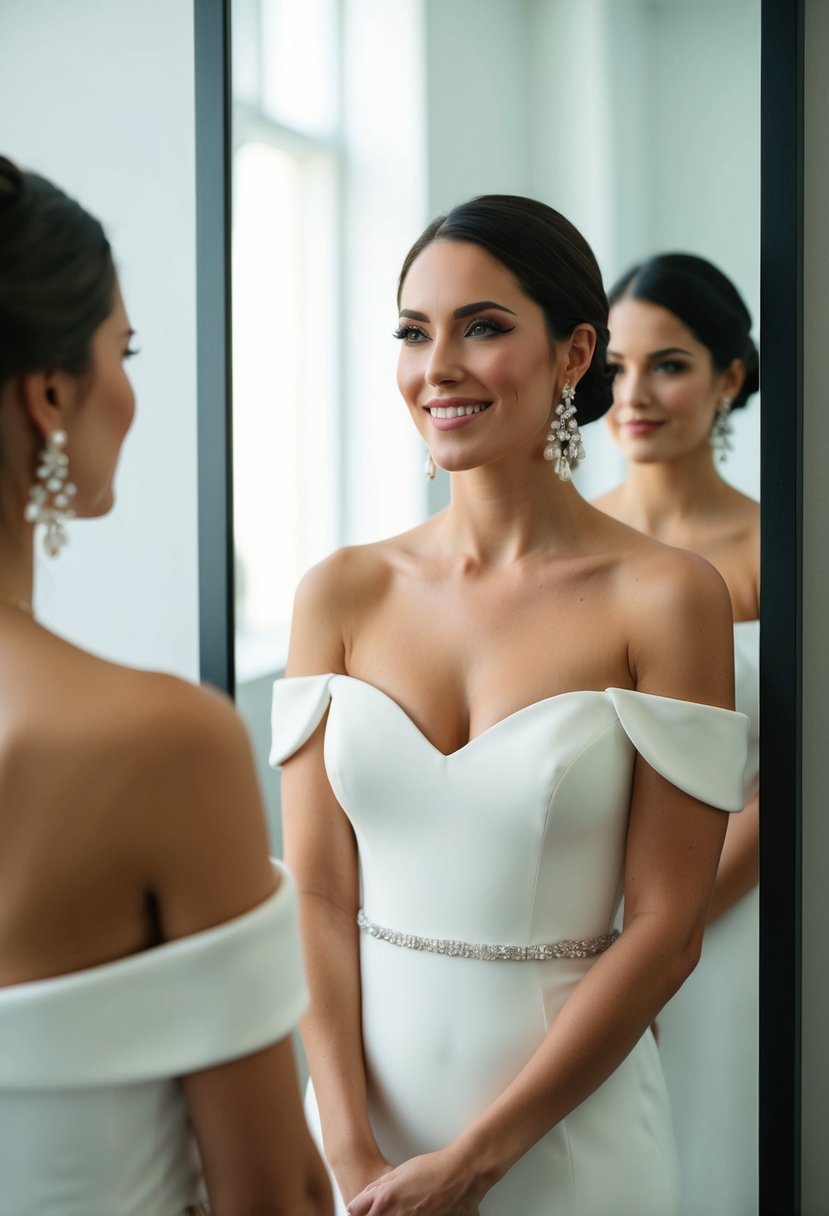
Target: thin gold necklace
13, 601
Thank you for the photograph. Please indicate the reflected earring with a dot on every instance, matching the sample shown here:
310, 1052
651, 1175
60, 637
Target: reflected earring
564, 444
51, 495
722, 431
429, 467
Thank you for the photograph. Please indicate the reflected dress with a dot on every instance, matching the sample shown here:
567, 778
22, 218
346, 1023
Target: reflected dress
92, 1116
708, 1034
517, 839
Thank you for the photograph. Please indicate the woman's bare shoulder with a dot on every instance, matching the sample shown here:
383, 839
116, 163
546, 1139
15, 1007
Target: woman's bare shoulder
678, 611
357, 572
334, 598
68, 698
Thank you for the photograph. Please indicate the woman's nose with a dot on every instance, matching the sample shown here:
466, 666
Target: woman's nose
629, 388
444, 365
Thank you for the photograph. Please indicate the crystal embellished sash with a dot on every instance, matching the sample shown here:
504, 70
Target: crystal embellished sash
583, 947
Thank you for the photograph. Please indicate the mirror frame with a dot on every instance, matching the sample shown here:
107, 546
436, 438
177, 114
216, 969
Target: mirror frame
781, 495
781, 323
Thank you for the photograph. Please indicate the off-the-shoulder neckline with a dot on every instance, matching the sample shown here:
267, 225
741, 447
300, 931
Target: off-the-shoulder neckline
510, 718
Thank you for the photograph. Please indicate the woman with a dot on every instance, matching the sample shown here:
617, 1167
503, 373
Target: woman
144, 934
476, 1042
680, 343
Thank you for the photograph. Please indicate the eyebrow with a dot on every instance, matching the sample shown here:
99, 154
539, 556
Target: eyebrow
465, 311
660, 354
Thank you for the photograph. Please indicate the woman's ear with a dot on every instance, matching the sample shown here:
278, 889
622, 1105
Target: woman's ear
731, 380
46, 398
582, 344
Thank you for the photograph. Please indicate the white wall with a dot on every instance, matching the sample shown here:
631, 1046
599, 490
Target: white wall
385, 208
478, 110
98, 96
815, 1072
647, 136
704, 147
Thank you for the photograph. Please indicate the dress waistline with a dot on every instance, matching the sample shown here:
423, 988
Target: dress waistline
584, 947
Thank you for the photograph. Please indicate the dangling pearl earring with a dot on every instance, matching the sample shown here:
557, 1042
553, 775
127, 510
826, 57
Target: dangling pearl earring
429, 467
52, 484
722, 431
564, 444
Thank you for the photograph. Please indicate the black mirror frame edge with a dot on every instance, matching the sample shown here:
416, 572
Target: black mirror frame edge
781, 463
781, 328
217, 624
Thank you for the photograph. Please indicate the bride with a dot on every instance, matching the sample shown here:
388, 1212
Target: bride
493, 727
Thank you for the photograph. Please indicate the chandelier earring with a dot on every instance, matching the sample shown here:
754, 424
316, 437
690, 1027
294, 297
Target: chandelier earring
564, 443
429, 467
722, 432
50, 498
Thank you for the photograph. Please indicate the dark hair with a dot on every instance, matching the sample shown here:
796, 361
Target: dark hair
57, 277
705, 300
553, 264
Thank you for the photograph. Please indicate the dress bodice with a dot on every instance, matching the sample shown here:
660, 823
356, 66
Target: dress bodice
517, 837
92, 1119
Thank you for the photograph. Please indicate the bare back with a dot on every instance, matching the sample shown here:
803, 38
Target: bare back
99, 808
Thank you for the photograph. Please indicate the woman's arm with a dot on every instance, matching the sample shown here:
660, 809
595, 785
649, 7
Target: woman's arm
321, 851
257, 1154
673, 847
201, 841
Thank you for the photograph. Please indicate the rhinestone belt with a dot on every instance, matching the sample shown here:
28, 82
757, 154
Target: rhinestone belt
583, 947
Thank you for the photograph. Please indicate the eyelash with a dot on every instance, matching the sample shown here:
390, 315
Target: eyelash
405, 331
670, 366
129, 353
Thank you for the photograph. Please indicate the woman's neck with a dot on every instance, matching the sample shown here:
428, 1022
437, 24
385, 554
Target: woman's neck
661, 496
16, 553
501, 513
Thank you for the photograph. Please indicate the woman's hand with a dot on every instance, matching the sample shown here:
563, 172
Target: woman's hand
431, 1185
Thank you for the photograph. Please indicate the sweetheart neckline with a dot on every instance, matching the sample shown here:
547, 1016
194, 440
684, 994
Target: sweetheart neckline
576, 692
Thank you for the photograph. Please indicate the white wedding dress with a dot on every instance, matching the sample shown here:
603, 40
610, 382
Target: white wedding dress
92, 1117
515, 840
708, 1034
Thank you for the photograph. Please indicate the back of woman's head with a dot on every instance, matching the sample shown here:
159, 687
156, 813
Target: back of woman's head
552, 262
57, 279
703, 299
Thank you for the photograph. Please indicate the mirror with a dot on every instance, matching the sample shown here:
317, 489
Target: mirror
638, 119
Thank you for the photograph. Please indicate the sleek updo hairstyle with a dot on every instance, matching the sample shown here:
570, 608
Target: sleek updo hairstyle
553, 264
703, 299
57, 278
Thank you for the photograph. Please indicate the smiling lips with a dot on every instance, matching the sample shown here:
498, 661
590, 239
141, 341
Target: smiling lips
642, 426
454, 412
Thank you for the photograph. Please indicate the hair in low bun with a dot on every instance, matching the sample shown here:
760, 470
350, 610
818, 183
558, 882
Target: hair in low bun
704, 299
11, 184
57, 278
554, 265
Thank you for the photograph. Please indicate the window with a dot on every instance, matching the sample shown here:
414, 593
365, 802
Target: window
285, 338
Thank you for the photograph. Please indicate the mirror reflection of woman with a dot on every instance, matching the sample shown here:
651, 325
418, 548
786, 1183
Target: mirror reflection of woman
465, 708
149, 958
681, 347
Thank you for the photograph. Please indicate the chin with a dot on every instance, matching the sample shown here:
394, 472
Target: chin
102, 506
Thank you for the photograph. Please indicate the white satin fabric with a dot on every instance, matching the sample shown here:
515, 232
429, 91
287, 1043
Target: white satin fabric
517, 838
709, 1037
92, 1118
